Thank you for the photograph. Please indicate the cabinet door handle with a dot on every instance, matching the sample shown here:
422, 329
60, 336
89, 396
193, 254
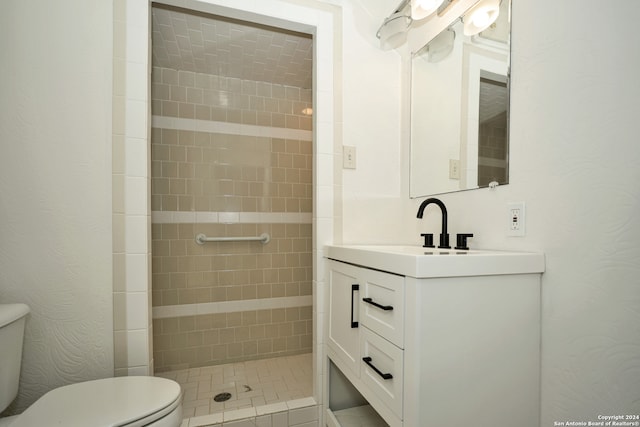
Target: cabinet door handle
354, 287
367, 360
375, 304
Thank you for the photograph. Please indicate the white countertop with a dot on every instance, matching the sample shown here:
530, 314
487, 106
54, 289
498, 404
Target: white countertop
419, 262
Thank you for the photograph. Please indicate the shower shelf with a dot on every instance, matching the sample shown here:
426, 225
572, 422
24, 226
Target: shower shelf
201, 239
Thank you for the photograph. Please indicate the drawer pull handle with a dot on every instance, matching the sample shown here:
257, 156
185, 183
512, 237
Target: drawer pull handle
375, 304
367, 360
354, 287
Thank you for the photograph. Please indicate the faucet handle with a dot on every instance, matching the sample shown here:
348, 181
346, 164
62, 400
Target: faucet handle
428, 240
461, 241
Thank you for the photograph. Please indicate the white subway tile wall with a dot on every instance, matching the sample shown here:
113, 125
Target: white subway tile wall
131, 219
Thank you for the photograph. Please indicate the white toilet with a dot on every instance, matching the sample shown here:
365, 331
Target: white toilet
121, 401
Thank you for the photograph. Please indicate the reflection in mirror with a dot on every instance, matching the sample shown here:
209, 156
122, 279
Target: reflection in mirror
460, 110
493, 135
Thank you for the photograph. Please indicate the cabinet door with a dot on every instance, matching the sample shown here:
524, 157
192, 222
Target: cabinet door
343, 333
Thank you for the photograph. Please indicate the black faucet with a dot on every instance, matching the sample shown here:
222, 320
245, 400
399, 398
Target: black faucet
444, 236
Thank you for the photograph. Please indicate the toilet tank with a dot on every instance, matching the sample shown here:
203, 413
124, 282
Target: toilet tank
12, 319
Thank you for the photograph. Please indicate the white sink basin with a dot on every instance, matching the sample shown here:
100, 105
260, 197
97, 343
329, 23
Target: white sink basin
416, 261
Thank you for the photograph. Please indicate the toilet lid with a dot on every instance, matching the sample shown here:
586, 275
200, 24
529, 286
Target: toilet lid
109, 402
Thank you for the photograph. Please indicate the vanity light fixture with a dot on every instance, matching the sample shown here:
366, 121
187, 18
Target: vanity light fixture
481, 16
421, 9
441, 45
393, 31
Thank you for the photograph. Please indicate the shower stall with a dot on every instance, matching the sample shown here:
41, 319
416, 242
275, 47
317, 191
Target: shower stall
231, 162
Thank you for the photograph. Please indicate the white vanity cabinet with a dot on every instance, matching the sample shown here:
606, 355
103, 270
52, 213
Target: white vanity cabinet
365, 333
459, 347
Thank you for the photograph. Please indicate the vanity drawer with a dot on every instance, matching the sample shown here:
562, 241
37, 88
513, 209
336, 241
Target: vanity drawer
382, 304
381, 369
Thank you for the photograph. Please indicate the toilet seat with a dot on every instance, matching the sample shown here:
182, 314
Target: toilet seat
109, 402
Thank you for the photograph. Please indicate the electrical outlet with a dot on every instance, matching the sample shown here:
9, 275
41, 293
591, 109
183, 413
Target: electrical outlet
516, 219
348, 157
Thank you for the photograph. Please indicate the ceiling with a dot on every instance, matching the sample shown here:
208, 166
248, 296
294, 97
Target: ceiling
203, 43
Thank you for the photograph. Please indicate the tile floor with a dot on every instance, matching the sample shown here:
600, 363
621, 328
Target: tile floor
251, 383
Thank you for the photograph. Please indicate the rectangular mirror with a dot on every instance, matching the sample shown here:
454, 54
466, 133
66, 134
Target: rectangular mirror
460, 109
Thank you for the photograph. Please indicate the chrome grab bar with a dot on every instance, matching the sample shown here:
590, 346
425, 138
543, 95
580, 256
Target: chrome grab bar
201, 239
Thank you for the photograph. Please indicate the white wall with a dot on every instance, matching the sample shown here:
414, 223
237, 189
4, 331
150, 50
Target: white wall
371, 111
55, 187
575, 160
575, 115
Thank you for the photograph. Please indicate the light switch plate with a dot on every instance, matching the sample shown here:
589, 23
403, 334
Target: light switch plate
348, 157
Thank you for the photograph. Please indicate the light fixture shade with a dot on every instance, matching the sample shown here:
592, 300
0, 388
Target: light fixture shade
441, 46
481, 16
393, 31
420, 9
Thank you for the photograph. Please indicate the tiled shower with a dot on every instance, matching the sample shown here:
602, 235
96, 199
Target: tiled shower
231, 156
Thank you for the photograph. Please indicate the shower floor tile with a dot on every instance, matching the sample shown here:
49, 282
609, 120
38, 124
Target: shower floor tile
250, 383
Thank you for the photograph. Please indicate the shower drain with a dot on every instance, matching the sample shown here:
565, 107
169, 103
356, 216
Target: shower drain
222, 397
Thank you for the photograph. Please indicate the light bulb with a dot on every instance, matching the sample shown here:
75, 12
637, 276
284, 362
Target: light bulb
427, 4
420, 9
481, 18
